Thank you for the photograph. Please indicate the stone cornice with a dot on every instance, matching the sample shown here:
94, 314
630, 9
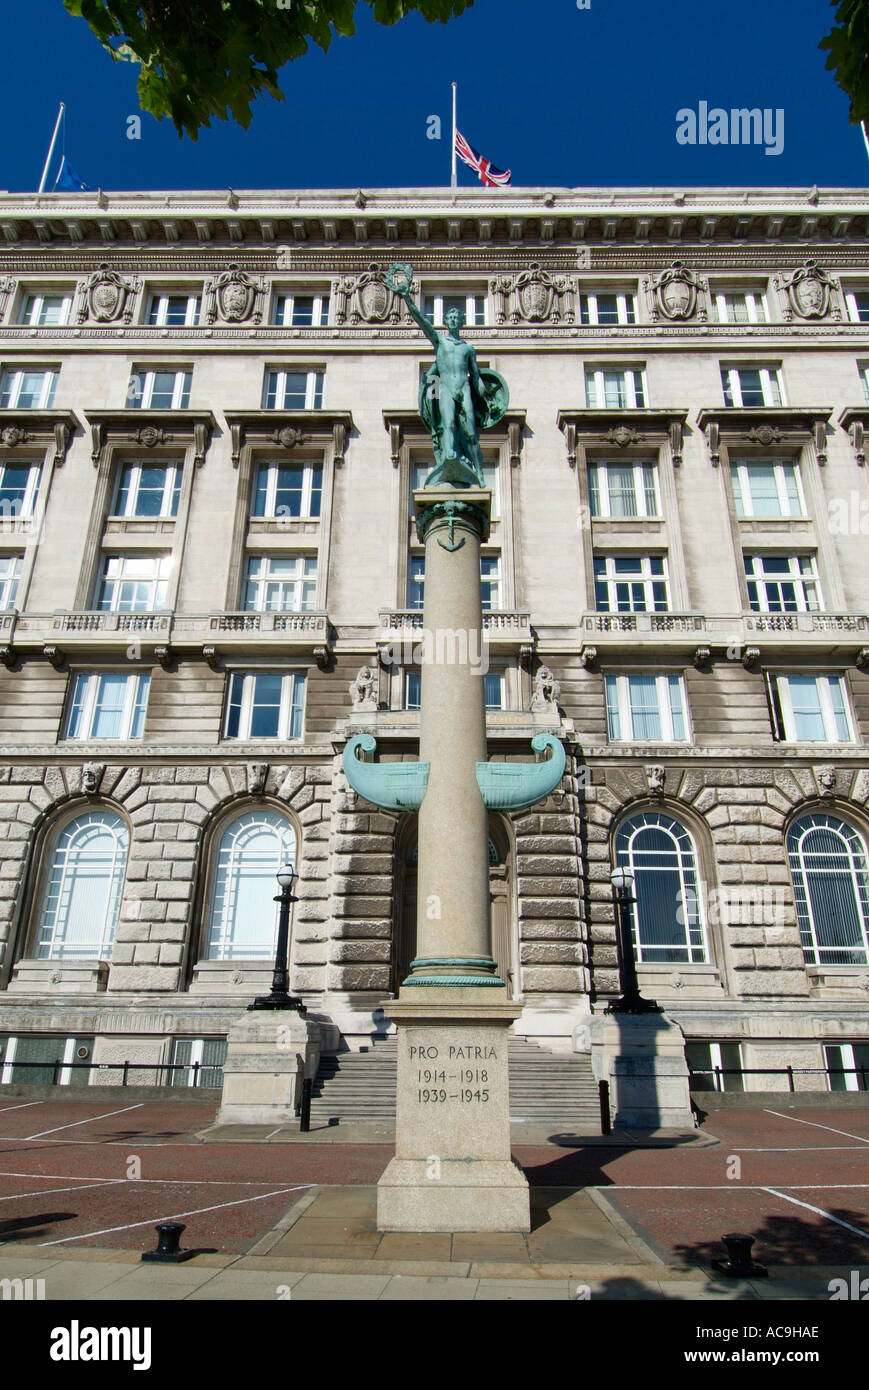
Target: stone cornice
23, 428
149, 428
764, 425
622, 428
289, 428
226, 221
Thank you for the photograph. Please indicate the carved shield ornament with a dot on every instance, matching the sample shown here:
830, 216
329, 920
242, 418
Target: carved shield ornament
677, 292
105, 295
808, 290
235, 295
536, 293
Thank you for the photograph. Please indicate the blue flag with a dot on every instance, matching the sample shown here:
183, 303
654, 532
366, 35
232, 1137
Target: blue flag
68, 180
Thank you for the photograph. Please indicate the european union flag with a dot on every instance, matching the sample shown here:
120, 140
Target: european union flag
69, 181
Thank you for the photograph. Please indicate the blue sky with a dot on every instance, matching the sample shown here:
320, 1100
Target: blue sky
562, 96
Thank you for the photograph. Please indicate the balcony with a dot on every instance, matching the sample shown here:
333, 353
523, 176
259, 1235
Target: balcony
506, 630
771, 635
163, 636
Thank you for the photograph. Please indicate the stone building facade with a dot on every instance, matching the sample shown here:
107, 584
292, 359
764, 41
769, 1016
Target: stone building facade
209, 437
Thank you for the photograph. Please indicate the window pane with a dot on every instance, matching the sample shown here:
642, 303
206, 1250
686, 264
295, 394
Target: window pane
806, 704
266, 706
645, 718
109, 707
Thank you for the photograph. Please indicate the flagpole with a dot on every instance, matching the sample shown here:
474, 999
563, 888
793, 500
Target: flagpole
50, 155
454, 182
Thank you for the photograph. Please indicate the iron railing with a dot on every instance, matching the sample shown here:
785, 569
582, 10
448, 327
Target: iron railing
197, 1068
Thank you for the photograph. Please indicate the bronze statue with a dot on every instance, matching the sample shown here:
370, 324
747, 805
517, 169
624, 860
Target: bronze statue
456, 399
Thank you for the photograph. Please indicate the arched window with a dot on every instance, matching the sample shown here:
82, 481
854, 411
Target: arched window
242, 914
83, 888
831, 885
667, 915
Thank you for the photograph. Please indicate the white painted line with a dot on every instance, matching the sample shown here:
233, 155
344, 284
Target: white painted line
26, 1104
815, 1149
46, 1191
189, 1182
815, 1125
152, 1220
91, 1119
728, 1187
855, 1230
103, 1143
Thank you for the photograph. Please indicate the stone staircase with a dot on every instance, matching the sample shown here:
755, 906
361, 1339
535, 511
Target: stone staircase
544, 1089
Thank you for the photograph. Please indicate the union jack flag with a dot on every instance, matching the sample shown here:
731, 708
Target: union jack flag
489, 174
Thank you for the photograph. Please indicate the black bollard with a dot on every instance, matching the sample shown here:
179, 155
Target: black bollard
305, 1107
168, 1252
740, 1265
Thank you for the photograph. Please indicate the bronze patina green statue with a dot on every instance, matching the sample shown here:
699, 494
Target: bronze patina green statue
456, 398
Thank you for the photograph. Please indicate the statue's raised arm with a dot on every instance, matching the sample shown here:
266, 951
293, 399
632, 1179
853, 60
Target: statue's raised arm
399, 278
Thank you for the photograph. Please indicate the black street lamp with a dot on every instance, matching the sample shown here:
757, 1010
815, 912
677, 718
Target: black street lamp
631, 1001
280, 997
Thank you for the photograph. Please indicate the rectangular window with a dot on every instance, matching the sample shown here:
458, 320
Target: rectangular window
159, 390
281, 584
490, 575
847, 1066
623, 489
607, 308
108, 705
615, 390
10, 574
494, 691
28, 388
769, 488
714, 1066
19, 489
148, 490
288, 489
415, 581
265, 705
46, 310
782, 584
197, 1062
858, 306
740, 307
412, 689
39, 1059
293, 390
174, 310
813, 709
472, 307
630, 584
302, 310
647, 707
751, 386
133, 583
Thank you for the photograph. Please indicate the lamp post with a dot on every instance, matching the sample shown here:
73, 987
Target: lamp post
280, 997
631, 1001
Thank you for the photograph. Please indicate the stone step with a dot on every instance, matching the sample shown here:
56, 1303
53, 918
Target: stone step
560, 1090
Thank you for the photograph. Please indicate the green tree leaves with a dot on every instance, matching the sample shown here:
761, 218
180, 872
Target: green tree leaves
848, 46
205, 59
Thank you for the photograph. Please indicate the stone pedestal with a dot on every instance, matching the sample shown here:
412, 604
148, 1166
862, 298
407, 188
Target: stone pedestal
452, 1169
642, 1056
268, 1054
